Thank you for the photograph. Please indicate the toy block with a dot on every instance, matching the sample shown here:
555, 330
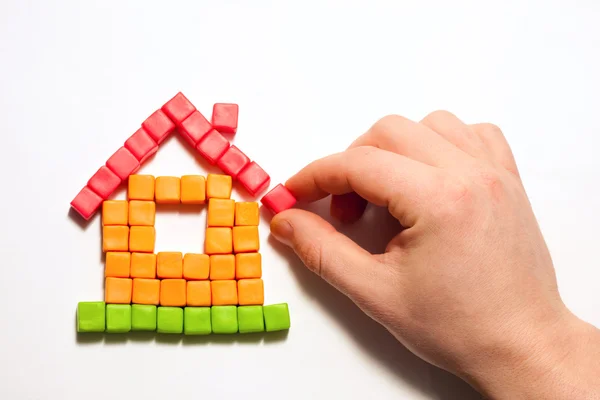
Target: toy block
123, 163
196, 266
246, 213
143, 265
193, 189
142, 239
254, 179
251, 292
91, 316
178, 108
118, 318
169, 320
167, 190
278, 199
141, 145
118, 264
225, 117
159, 126
146, 291
196, 321
115, 238
104, 182
222, 267
143, 317
277, 317
142, 213
245, 239
218, 186
173, 292
86, 202
248, 265
218, 240
198, 293
117, 290
141, 187
250, 319
212, 146
223, 293
115, 212
194, 127
169, 264
223, 319
221, 212
233, 161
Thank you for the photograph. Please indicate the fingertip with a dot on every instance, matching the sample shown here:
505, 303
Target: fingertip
281, 229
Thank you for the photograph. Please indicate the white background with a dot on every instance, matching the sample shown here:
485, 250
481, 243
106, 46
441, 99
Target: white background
78, 77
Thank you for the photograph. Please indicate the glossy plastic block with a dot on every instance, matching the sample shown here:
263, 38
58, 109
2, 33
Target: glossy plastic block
225, 117
193, 189
86, 203
221, 212
277, 317
196, 266
142, 213
115, 212
123, 163
178, 108
104, 182
224, 319
224, 293
173, 292
143, 317
91, 316
146, 291
278, 199
169, 264
250, 319
194, 127
167, 190
141, 187
142, 239
141, 145
118, 264
218, 186
117, 290
218, 240
245, 239
198, 293
115, 238
250, 292
212, 146
246, 213
248, 265
222, 266
159, 126
118, 318
169, 320
233, 161
196, 321
254, 179
143, 265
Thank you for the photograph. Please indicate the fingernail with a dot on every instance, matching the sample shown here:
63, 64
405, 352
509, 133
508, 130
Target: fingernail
282, 230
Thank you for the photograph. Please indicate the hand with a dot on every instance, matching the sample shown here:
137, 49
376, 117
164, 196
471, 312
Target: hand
468, 283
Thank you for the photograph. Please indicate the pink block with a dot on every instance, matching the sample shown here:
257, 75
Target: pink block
123, 163
141, 145
86, 202
278, 199
178, 108
225, 117
233, 161
104, 182
158, 126
254, 179
212, 146
194, 127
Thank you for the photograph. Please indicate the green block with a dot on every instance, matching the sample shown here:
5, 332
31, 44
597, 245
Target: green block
91, 316
169, 320
143, 317
277, 317
250, 319
118, 318
224, 319
196, 321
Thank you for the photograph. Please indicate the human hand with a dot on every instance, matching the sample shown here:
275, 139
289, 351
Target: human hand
468, 284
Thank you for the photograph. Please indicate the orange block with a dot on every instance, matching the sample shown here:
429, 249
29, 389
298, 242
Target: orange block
114, 212
143, 265
169, 264
142, 212
115, 238
117, 290
117, 264
218, 186
245, 239
146, 291
220, 212
246, 213
224, 293
140, 187
251, 292
248, 265
222, 266
167, 190
218, 241
196, 266
142, 239
198, 294
193, 189
172, 292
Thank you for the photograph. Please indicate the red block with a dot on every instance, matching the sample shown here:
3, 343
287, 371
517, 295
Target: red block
278, 199
178, 108
158, 126
86, 202
254, 179
194, 127
141, 145
225, 117
233, 161
104, 182
123, 163
212, 146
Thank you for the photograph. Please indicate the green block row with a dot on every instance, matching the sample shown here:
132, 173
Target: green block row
120, 318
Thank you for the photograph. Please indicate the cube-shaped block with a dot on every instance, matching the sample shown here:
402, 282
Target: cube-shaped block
115, 212
91, 316
143, 317
222, 267
194, 127
233, 161
143, 265
167, 190
118, 318
115, 238
141, 187
277, 317
142, 239
142, 213
246, 213
248, 265
146, 291
254, 179
212, 146
193, 189
123, 163
118, 264
104, 182
196, 266
225, 117
250, 292
221, 212
278, 199
245, 239
224, 293
169, 264
196, 321
218, 240
178, 108
141, 145
173, 292
218, 186
224, 319
169, 320
117, 290
159, 126
86, 202
250, 319
198, 293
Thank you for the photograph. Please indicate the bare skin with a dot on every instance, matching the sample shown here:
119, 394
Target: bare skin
468, 285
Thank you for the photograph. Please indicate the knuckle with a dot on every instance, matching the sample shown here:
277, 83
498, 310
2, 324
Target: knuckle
456, 200
491, 130
438, 115
388, 123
